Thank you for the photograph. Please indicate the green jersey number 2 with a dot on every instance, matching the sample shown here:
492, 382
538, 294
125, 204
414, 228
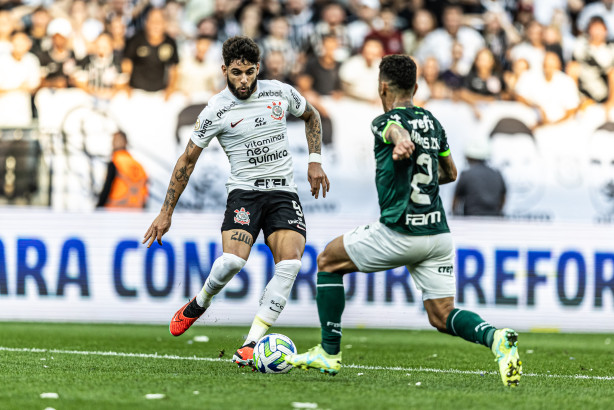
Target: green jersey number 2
425, 179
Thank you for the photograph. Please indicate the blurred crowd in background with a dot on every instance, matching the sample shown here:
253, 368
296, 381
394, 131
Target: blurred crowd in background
553, 55
554, 58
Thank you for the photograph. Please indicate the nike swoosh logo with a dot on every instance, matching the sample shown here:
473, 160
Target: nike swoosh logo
176, 319
236, 123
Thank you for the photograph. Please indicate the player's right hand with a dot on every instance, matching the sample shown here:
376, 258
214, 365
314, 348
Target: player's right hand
158, 227
403, 150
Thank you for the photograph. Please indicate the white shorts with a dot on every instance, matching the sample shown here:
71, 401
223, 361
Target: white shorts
429, 259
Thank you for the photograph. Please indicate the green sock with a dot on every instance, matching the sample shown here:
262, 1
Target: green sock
471, 327
330, 298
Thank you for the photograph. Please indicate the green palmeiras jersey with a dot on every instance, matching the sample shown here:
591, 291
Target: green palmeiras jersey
408, 190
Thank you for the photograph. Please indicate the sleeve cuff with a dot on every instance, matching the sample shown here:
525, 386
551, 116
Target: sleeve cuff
388, 124
445, 153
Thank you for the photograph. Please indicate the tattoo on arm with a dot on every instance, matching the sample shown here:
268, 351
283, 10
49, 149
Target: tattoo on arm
313, 129
180, 176
396, 134
241, 237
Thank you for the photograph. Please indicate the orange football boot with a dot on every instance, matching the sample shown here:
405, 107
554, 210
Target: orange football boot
245, 355
180, 323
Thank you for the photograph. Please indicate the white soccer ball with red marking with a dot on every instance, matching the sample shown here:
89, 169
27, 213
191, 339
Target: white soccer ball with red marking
270, 351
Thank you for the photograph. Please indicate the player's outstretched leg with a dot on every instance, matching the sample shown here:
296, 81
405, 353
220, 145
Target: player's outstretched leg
330, 298
223, 269
502, 342
505, 349
272, 303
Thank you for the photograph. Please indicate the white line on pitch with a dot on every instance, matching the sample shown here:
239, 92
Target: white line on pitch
347, 366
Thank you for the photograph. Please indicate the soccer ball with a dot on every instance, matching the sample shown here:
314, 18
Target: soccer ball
270, 351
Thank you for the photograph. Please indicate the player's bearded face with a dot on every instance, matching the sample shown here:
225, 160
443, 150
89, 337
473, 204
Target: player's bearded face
241, 78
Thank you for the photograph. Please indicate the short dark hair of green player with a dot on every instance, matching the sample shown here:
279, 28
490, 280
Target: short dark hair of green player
399, 71
240, 48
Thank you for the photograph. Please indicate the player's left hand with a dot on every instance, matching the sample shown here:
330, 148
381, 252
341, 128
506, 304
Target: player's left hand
317, 177
403, 150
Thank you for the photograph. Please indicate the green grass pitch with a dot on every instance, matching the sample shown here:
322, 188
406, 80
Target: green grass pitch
383, 369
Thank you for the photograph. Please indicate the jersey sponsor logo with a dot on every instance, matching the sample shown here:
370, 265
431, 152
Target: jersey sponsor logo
265, 141
277, 111
242, 216
297, 100
225, 109
259, 122
423, 124
277, 93
266, 157
202, 125
423, 219
270, 182
234, 124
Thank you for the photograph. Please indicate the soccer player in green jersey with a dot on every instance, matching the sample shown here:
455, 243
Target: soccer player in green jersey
413, 159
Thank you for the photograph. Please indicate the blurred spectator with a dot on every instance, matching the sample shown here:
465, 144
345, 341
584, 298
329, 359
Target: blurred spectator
430, 84
251, 21
59, 63
304, 85
300, 17
100, 72
439, 42
553, 41
324, 69
593, 65
126, 183
510, 78
332, 24
117, 29
454, 76
499, 35
422, 24
483, 83
480, 189
37, 31
388, 34
19, 78
85, 30
601, 168
359, 74
151, 57
226, 16
274, 65
366, 12
277, 40
198, 77
551, 92
532, 48
7, 25
177, 26
604, 9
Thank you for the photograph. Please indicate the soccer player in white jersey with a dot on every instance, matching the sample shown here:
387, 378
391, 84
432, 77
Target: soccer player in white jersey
249, 120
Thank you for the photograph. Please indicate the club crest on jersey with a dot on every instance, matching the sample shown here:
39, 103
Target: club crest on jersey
197, 124
277, 112
242, 216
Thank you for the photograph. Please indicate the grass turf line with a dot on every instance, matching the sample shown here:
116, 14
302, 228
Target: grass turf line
94, 381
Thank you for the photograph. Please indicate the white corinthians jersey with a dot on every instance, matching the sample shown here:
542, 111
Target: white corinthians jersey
253, 134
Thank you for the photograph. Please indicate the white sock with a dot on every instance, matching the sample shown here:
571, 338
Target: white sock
224, 268
274, 298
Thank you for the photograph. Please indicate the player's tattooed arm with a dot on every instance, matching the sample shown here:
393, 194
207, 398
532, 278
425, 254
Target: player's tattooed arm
446, 169
313, 129
403, 146
179, 180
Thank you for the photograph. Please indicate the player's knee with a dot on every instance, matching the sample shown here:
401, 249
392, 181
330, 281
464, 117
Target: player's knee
324, 262
288, 269
437, 319
232, 263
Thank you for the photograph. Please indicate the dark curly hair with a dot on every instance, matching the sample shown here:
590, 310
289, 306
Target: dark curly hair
240, 48
399, 70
